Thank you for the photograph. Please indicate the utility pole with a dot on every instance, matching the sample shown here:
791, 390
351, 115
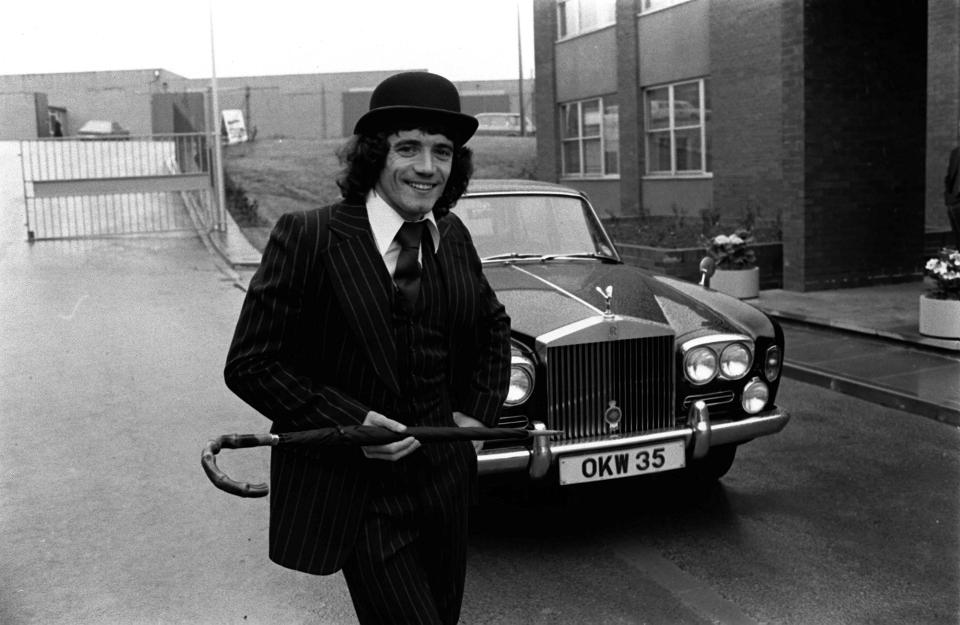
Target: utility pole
523, 120
217, 148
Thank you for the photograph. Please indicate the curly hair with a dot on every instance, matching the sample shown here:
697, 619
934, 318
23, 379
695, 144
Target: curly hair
363, 158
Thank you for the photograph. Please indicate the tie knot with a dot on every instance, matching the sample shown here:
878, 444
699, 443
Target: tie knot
410, 233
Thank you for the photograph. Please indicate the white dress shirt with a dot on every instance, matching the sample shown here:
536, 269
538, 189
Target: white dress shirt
385, 224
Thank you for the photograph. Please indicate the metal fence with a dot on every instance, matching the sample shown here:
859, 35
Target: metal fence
77, 188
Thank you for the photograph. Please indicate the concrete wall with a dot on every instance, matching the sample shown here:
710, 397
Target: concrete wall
122, 96
292, 105
19, 116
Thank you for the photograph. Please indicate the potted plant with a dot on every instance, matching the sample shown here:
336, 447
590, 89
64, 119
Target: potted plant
737, 272
940, 307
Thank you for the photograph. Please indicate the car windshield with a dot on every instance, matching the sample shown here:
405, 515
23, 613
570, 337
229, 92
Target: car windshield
533, 226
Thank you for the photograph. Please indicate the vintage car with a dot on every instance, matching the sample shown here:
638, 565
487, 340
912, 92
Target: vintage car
505, 124
643, 373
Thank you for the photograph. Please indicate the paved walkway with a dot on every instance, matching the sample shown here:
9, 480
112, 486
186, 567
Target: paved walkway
865, 342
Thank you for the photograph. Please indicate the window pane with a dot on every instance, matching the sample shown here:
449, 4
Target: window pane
571, 157
686, 104
607, 11
570, 126
592, 163
658, 112
567, 17
688, 150
658, 152
611, 138
591, 118
594, 13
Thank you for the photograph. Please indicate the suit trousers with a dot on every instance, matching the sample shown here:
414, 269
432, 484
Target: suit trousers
409, 560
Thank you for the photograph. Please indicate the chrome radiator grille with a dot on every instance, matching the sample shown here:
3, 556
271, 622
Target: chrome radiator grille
582, 379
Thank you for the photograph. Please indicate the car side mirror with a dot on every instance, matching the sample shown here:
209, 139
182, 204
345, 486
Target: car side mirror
707, 268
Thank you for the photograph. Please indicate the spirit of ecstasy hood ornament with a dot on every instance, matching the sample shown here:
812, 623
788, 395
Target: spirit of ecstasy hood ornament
608, 297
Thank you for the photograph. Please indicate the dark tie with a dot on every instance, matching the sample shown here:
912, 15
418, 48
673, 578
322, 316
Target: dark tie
407, 274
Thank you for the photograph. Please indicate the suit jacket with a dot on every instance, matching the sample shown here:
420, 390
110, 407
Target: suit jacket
314, 347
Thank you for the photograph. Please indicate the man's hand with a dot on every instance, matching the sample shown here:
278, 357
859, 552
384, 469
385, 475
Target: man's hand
390, 451
466, 421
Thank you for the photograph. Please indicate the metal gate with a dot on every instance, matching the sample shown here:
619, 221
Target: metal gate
80, 188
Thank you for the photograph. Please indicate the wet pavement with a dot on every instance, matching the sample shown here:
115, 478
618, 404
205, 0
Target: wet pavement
864, 342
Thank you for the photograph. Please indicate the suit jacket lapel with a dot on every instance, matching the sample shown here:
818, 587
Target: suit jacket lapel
363, 288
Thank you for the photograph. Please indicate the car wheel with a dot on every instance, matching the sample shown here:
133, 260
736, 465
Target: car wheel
714, 465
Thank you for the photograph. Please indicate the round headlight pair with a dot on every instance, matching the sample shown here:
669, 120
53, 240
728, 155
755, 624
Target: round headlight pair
521, 377
701, 364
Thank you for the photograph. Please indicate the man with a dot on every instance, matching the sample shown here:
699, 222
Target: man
375, 310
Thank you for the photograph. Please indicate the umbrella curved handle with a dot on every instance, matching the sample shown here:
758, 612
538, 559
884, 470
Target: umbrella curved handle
208, 459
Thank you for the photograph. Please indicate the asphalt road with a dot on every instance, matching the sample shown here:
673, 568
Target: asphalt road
850, 515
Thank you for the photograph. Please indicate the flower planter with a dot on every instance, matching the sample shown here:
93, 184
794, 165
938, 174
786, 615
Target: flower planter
940, 317
740, 283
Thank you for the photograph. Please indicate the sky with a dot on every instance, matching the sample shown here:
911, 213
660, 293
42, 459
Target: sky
460, 39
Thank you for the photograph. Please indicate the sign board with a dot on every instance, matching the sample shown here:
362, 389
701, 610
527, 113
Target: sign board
233, 127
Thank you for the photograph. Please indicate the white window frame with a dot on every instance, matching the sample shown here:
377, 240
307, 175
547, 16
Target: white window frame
574, 6
659, 5
671, 130
579, 139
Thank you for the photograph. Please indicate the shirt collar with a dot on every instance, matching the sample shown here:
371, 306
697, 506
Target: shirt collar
385, 222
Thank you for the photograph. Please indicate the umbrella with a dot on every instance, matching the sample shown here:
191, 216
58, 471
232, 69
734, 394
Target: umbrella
344, 435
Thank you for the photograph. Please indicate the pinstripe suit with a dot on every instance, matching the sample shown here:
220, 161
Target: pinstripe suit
316, 345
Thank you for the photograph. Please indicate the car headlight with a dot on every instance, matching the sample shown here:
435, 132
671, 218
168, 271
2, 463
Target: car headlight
735, 360
521, 377
700, 365
772, 363
755, 396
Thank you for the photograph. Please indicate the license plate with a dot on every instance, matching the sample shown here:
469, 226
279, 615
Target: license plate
611, 465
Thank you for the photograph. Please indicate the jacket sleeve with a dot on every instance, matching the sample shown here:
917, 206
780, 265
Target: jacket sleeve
486, 374
262, 366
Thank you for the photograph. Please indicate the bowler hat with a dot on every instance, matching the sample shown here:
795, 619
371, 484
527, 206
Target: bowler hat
410, 99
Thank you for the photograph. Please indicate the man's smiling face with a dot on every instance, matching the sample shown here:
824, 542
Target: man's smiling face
415, 172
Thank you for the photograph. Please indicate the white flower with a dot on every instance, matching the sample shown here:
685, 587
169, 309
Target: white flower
931, 264
721, 239
734, 239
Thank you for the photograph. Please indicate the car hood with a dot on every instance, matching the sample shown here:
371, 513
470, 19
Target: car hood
542, 297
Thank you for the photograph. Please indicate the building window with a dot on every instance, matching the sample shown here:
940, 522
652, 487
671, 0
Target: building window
579, 16
590, 134
649, 6
677, 122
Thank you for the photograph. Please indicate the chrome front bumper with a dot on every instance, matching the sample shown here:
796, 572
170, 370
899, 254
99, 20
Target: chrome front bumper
698, 436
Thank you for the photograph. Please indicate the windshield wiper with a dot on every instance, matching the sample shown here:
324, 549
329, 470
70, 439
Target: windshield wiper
603, 257
510, 255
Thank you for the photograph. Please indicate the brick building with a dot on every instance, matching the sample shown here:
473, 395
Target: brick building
832, 118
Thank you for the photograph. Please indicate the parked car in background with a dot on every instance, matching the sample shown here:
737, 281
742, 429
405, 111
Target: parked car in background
643, 373
506, 124
102, 129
